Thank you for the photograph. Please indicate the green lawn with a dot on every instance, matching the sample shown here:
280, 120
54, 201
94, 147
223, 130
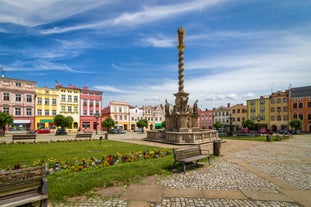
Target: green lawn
67, 183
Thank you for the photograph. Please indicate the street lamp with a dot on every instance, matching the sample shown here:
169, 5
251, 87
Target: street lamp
96, 115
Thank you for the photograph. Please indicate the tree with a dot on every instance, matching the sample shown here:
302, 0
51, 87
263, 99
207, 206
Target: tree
249, 124
62, 121
296, 124
142, 123
108, 123
217, 125
4, 120
163, 124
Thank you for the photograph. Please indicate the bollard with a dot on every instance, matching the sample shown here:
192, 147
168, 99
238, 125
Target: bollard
100, 140
268, 138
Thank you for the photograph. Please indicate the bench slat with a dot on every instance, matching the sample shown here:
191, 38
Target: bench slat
190, 154
22, 186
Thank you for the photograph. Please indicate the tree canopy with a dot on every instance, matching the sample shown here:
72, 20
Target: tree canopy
142, 123
249, 124
108, 123
296, 123
4, 120
62, 121
218, 125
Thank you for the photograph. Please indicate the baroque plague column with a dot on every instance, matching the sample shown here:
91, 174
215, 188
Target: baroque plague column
183, 118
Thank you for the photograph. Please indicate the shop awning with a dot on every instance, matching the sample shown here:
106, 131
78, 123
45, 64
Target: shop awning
158, 124
21, 122
46, 120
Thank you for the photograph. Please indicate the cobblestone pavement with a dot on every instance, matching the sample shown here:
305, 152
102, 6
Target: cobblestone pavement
257, 174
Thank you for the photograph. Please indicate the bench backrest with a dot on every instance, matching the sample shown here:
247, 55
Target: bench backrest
24, 136
192, 151
22, 181
83, 135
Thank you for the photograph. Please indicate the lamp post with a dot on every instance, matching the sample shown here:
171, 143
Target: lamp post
96, 115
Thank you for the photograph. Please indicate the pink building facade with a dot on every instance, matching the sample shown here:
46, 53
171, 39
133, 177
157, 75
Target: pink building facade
18, 100
206, 119
90, 113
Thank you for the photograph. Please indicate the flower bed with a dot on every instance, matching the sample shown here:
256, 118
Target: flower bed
53, 165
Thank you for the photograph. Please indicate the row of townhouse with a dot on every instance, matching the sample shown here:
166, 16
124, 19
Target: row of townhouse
34, 108
273, 112
234, 115
126, 116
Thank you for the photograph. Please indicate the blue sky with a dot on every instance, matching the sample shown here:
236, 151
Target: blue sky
235, 49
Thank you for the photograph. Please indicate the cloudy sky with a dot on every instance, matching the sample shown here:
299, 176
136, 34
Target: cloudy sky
235, 49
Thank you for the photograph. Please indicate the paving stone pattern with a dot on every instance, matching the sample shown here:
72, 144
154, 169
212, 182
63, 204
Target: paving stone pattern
257, 173
222, 176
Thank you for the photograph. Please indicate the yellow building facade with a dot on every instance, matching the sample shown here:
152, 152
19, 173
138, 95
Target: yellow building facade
259, 111
46, 108
279, 111
69, 104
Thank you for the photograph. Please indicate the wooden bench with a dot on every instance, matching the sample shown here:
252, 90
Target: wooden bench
189, 154
23, 186
19, 137
85, 135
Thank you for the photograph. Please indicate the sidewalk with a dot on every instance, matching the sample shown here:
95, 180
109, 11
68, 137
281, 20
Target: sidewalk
248, 174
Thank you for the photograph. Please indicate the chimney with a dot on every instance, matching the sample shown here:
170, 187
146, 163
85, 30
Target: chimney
228, 105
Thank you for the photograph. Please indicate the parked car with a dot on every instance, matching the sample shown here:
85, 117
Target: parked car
138, 130
263, 131
61, 132
31, 132
43, 131
117, 131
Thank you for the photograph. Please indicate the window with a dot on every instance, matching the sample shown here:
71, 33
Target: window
120, 117
46, 112
69, 109
272, 109
84, 102
39, 112
278, 100
18, 111
272, 101
262, 101
279, 118
46, 101
272, 118
285, 109
300, 105
6, 96
54, 102
39, 100
63, 97
125, 117
309, 117
18, 97
63, 109
285, 100
53, 112
29, 98
278, 109
28, 111
75, 99
84, 112
120, 109
69, 98
18, 84
5, 110
309, 104
262, 109
75, 109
